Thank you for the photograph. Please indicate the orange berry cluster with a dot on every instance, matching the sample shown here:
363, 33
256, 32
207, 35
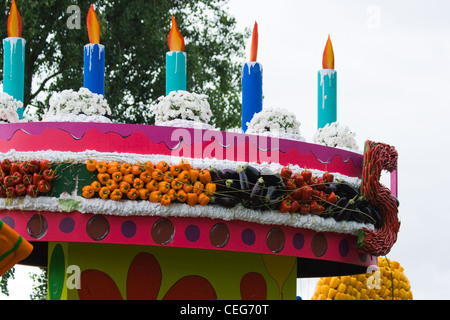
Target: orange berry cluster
160, 183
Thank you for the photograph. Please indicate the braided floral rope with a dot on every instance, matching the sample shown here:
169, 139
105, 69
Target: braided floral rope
379, 157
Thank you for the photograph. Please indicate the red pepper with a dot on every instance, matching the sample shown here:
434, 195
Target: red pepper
286, 173
2, 176
14, 168
8, 181
44, 165
307, 193
49, 175
298, 180
328, 177
304, 209
24, 167
316, 208
318, 183
285, 206
290, 184
44, 186
2, 192
20, 189
332, 198
32, 190
11, 192
297, 194
6, 165
295, 206
27, 179
306, 174
17, 177
34, 166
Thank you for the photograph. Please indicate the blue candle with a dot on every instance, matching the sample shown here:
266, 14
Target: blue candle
94, 68
14, 69
252, 82
327, 89
176, 71
252, 93
327, 84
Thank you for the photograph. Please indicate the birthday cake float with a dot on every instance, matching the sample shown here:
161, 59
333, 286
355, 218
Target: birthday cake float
77, 181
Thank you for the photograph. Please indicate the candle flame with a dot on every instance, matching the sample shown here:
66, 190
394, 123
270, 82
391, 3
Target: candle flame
328, 55
254, 48
14, 22
93, 26
176, 40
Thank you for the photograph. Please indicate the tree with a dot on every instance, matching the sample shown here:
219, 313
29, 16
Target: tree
135, 36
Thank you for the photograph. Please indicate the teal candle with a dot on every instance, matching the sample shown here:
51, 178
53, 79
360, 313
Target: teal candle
176, 71
327, 103
14, 69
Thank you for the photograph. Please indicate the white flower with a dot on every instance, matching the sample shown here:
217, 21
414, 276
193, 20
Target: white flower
182, 105
336, 135
8, 108
81, 102
276, 121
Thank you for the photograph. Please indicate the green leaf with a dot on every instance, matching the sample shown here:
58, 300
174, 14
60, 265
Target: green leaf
361, 236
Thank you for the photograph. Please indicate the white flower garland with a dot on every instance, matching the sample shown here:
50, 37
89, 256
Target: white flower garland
336, 135
8, 108
182, 105
82, 105
275, 121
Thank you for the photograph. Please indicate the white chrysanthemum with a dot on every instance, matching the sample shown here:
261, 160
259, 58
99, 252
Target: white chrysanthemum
82, 105
275, 121
182, 105
8, 108
336, 135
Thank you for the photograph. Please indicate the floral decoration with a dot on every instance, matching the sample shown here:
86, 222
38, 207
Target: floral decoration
275, 121
83, 104
182, 105
8, 108
336, 135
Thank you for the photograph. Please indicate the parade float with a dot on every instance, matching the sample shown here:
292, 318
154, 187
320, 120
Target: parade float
179, 209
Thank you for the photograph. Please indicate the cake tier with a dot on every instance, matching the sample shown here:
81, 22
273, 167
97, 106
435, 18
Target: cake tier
65, 216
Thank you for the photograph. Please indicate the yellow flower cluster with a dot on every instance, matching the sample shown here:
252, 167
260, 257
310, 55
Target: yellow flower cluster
387, 283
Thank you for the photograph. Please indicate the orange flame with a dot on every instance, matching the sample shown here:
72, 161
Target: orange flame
254, 48
93, 26
328, 55
176, 40
14, 22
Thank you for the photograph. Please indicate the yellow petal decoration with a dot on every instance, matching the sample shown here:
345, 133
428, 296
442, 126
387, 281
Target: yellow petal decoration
387, 283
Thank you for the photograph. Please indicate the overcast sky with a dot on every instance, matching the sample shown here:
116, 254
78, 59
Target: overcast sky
392, 59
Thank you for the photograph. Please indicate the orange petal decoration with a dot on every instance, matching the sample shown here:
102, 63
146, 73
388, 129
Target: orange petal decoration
254, 48
93, 26
176, 40
14, 22
328, 55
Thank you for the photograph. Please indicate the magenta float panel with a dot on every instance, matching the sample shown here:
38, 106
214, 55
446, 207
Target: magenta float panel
199, 233
194, 143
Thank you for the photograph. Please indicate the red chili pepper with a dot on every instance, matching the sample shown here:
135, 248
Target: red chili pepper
6, 165
297, 194
36, 178
14, 168
307, 193
44, 165
304, 208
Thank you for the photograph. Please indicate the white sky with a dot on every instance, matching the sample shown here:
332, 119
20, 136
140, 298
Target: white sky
392, 59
